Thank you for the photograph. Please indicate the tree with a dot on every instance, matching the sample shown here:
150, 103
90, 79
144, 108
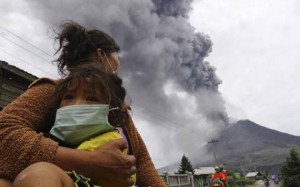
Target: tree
185, 165
290, 170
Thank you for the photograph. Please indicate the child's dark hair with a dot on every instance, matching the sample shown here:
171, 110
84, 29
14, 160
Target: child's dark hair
78, 44
114, 91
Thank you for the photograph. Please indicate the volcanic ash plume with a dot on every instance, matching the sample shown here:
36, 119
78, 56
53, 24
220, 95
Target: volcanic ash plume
162, 62
178, 55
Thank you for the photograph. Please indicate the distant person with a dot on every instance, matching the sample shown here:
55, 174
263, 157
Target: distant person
225, 175
273, 177
24, 123
279, 178
276, 180
266, 181
218, 178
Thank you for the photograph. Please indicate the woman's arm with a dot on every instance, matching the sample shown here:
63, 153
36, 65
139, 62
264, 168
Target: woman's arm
21, 145
106, 166
147, 175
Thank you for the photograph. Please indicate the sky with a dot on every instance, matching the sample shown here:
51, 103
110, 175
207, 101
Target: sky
255, 50
188, 66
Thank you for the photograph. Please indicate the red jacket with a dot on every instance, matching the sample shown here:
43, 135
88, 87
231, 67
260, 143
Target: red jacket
219, 175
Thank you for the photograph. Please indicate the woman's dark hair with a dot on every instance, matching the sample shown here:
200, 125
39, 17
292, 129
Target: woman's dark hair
114, 91
77, 44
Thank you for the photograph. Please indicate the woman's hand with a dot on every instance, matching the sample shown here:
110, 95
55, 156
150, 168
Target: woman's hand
106, 166
113, 167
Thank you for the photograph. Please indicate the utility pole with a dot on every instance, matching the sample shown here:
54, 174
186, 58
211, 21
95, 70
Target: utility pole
213, 142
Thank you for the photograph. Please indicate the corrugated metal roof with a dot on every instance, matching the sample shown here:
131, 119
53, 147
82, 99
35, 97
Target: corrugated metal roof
13, 82
17, 71
252, 174
204, 171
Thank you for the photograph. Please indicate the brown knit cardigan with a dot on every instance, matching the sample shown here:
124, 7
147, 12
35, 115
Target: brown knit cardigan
22, 141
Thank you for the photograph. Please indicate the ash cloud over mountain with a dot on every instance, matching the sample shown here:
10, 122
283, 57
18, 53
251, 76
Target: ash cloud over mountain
172, 8
162, 58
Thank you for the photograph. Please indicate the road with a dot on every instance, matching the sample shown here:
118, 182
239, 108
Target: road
260, 183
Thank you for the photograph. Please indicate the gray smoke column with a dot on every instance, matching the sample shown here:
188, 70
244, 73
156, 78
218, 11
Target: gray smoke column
162, 62
175, 52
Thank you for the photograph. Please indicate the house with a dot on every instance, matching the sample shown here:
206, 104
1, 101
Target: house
202, 176
253, 175
13, 82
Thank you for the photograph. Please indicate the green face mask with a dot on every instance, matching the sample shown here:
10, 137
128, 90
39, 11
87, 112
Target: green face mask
77, 123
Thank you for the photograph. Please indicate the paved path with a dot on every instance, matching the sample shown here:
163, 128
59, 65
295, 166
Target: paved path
260, 183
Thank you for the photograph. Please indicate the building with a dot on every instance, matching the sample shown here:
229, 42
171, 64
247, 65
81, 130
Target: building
13, 82
253, 175
202, 176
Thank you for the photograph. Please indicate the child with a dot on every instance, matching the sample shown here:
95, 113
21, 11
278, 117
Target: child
90, 112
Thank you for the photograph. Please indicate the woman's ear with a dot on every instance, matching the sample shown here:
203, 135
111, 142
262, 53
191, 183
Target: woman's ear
100, 55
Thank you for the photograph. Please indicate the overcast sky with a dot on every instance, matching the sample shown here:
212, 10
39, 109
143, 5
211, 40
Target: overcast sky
255, 52
256, 47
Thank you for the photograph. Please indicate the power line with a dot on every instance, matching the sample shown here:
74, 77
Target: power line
25, 49
25, 62
154, 115
26, 41
164, 122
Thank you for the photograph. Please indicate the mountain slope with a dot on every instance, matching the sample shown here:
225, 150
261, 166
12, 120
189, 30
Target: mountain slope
246, 144
245, 136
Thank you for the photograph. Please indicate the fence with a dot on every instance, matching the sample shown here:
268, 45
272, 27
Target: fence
178, 180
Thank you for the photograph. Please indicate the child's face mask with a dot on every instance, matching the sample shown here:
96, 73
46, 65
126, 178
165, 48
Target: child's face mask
77, 123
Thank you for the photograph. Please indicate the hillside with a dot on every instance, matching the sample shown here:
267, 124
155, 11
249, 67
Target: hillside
248, 146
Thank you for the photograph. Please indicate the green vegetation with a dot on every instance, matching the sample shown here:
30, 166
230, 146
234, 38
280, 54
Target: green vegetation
240, 182
290, 170
185, 165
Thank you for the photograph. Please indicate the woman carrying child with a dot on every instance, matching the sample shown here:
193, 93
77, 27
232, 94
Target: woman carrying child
24, 122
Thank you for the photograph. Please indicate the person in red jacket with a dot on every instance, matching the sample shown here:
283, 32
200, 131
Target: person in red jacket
218, 178
225, 174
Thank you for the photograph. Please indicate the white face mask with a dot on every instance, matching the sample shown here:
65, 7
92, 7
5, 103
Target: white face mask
77, 123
